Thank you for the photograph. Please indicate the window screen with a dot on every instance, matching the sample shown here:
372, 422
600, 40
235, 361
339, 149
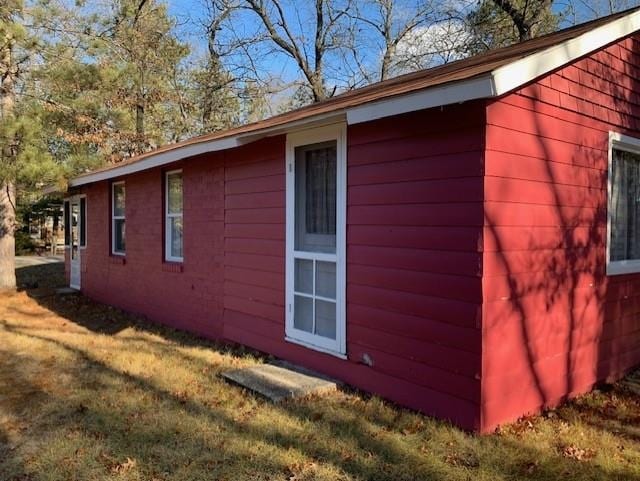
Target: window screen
118, 245
315, 198
625, 206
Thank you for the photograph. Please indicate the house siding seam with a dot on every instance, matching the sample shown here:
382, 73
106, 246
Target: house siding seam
553, 322
414, 288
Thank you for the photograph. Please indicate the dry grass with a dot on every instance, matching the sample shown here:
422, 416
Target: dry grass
90, 393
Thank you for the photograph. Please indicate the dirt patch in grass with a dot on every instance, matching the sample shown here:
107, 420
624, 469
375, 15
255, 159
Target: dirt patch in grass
88, 392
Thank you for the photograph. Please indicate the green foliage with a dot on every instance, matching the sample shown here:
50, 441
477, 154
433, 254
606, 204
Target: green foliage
24, 243
86, 85
491, 27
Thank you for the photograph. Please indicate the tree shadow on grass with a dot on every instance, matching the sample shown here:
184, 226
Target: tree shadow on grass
367, 446
94, 316
247, 440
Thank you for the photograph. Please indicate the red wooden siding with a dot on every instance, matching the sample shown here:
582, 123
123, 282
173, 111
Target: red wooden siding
476, 236
553, 322
414, 287
414, 217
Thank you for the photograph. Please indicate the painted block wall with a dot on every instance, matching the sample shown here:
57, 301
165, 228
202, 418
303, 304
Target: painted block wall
187, 296
414, 287
553, 322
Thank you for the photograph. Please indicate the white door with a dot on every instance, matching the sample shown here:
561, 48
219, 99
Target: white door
315, 262
74, 244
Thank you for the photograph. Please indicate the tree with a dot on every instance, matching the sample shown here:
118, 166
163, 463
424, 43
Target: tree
578, 11
140, 47
216, 96
498, 23
410, 34
329, 46
308, 51
24, 159
10, 34
84, 85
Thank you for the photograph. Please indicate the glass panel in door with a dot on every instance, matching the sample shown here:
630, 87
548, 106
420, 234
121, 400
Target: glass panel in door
315, 240
75, 225
75, 230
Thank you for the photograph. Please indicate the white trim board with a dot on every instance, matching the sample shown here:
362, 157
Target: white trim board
520, 72
495, 83
436, 96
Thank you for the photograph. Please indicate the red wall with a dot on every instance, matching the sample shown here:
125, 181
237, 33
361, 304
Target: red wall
414, 287
554, 322
188, 296
476, 240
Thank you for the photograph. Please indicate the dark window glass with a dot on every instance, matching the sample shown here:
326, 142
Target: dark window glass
625, 206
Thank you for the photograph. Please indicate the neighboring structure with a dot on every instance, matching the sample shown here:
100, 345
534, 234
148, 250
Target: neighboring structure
441, 239
44, 226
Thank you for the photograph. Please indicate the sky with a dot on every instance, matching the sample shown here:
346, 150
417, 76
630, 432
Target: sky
280, 66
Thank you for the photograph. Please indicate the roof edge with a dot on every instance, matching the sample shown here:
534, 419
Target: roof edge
516, 74
451, 93
157, 160
190, 150
497, 82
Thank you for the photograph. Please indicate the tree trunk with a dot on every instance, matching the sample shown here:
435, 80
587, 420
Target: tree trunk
7, 237
7, 157
140, 116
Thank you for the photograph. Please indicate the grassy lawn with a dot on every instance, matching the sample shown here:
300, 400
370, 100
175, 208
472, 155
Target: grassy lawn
88, 392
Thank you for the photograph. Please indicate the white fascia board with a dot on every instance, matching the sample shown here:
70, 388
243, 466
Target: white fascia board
452, 93
158, 160
179, 153
516, 74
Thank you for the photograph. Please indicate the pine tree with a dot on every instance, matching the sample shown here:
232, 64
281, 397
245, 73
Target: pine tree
24, 160
498, 23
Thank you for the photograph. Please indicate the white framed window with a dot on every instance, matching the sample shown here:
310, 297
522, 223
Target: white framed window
173, 216
118, 245
315, 239
623, 212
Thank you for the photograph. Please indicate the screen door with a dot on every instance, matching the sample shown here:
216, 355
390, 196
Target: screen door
315, 226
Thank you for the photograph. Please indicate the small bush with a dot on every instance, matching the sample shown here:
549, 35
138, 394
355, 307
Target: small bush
24, 244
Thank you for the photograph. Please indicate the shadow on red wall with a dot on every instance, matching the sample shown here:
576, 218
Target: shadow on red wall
554, 323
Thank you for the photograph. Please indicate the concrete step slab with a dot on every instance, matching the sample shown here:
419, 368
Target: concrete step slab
280, 381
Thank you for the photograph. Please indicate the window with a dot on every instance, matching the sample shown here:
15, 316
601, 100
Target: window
173, 216
623, 247
118, 231
316, 198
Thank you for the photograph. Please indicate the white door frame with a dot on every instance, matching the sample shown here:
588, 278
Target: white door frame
75, 256
337, 133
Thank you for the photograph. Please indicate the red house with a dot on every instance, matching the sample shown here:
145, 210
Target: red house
463, 240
